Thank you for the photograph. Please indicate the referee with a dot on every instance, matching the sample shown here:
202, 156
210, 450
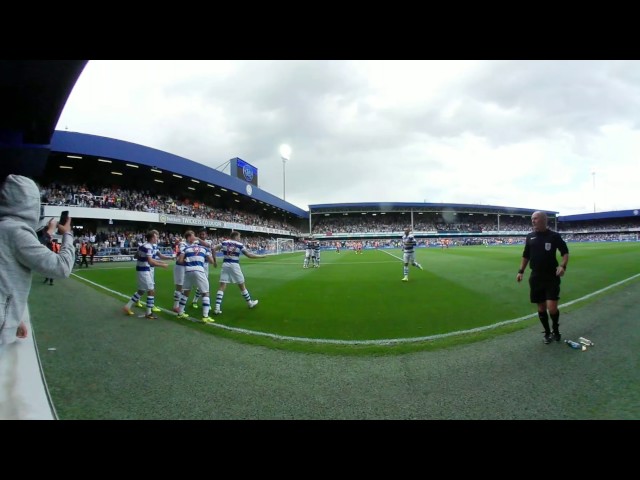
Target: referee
540, 253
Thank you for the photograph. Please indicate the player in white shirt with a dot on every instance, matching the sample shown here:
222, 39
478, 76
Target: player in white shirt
231, 272
178, 274
308, 252
203, 240
409, 255
316, 254
144, 273
156, 256
195, 256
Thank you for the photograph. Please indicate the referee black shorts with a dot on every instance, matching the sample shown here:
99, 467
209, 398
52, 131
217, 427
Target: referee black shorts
543, 288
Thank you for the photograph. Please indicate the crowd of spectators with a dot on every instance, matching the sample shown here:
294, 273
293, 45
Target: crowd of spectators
430, 222
126, 242
145, 201
610, 225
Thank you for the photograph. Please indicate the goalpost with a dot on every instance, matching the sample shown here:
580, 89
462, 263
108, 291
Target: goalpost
284, 245
628, 237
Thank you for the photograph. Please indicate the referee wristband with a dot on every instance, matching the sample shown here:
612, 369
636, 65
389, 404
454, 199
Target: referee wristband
520, 271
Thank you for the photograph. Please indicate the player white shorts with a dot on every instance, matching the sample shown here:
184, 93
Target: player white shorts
196, 279
178, 274
231, 273
308, 253
145, 280
409, 258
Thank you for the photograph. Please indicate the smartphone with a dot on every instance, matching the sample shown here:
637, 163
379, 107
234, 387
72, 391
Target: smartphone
64, 217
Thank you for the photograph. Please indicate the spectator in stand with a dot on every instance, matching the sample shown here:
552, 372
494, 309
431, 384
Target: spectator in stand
47, 240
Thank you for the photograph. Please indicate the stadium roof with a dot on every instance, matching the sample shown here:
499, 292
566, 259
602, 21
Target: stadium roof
424, 207
81, 144
32, 94
600, 215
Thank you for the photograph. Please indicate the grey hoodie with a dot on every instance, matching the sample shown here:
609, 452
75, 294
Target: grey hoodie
21, 252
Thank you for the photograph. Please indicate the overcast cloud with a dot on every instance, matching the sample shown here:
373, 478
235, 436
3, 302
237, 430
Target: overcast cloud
525, 134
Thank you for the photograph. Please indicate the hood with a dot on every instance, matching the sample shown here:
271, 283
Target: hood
20, 199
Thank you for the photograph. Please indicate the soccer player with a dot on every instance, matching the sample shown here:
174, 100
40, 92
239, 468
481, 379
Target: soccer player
194, 256
231, 272
144, 272
540, 249
178, 274
156, 256
308, 253
316, 254
409, 255
203, 240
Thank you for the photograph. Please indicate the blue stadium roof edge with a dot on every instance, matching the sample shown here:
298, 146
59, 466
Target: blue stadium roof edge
76, 143
600, 215
394, 206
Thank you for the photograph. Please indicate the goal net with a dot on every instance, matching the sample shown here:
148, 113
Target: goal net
284, 245
628, 237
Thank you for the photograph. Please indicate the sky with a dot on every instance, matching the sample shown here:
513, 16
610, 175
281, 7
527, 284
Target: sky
554, 135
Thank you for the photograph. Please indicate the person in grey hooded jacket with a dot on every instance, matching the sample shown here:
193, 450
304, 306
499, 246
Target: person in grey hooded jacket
21, 253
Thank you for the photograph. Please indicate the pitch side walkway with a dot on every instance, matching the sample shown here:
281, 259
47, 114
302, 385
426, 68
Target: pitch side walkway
108, 366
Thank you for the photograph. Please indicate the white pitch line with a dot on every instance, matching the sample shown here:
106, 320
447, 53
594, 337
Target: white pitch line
389, 341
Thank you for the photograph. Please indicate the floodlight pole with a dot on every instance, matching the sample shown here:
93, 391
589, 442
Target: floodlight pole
285, 154
284, 182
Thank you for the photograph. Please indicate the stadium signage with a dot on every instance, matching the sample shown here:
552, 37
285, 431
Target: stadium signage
122, 258
207, 222
114, 258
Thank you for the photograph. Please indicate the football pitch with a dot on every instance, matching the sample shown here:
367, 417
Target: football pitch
360, 299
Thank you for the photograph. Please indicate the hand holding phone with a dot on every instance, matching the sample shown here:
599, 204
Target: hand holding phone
64, 220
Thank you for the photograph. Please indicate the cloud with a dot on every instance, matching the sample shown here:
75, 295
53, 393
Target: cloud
510, 133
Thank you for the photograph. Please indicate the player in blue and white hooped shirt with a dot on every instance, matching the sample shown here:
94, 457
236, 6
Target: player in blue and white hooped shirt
178, 275
195, 256
144, 273
231, 271
158, 256
203, 240
409, 255
308, 252
316, 254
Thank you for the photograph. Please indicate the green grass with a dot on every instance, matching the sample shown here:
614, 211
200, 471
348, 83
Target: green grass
361, 298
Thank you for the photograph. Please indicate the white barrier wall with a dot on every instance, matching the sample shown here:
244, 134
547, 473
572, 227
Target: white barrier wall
23, 390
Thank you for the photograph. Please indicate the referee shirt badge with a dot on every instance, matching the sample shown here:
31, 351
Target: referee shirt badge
547, 247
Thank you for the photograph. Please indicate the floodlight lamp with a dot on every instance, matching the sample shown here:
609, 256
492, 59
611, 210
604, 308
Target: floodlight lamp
285, 151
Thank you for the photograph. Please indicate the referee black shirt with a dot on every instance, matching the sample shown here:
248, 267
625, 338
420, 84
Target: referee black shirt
540, 249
